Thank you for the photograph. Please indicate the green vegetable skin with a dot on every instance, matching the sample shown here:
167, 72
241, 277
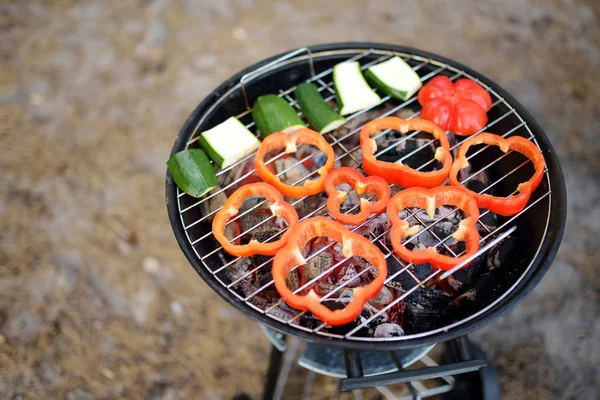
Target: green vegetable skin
320, 115
192, 172
273, 114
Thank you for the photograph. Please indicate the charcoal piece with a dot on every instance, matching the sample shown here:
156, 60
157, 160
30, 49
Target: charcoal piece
258, 260
263, 275
465, 277
500, 252
383, 298
269, 235
388, 330
405, 280
376, 232
482, 291
426, 309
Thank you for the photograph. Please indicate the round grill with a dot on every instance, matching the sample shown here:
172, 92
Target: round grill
534, 233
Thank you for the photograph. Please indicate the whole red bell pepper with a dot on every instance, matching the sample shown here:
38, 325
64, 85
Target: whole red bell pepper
279, 208
460, 107
394, 172
289, 143
429, 200
353, 244
505, 206
371, 184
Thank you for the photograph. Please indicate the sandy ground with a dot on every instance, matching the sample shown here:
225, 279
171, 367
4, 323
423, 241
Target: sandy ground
96, 299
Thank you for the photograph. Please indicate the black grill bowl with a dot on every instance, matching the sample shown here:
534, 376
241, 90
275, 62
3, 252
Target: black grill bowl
539, 229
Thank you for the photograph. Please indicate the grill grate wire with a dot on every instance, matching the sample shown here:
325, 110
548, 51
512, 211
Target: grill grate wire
325, 87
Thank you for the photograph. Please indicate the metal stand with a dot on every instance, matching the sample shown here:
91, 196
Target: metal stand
465, 366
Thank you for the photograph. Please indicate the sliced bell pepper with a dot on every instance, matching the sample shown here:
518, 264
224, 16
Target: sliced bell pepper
429, 200
279, 208
395, 172
371, 184
460, 107
280, 140
505, 206
353, 244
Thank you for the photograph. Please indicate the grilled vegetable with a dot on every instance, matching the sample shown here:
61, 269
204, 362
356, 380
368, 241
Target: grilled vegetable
429, 200
459, 107
398, 173
320, 114
273, 114
280, 140
353, 245
279, 208
371, 184
192, 172
505, 206
228, 142
352, 91
395, 78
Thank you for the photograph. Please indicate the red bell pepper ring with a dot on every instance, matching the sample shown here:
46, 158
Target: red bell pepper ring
371, 184
280, 140
429, 200
279, 208
353, 244
459, 107
505, 206
394, 172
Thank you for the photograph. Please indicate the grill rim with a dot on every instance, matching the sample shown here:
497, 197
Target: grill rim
538, 267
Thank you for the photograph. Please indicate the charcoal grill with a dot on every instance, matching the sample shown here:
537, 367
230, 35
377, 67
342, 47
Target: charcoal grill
537, 230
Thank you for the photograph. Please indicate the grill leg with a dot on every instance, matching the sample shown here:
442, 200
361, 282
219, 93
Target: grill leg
275, 361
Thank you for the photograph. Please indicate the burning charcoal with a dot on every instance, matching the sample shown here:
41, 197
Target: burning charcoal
323, 288
250, 223
317, 265
309, 321
383, 298
426, 309
241, 175
213, 204
425, 240
283, 311
258, 260
352, 203
349, 279
239, 269
294, 170
263, 236
258, 300
388, 330
375, 227
444, 229
293, 280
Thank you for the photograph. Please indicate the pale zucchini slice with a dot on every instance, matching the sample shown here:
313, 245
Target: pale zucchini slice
352, 91
228, 142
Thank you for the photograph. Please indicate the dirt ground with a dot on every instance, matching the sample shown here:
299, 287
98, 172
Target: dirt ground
97, 300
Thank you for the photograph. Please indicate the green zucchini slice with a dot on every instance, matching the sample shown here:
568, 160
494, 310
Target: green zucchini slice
320, 114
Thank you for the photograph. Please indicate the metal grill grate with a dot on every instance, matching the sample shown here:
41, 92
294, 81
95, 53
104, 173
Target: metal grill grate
325, 85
